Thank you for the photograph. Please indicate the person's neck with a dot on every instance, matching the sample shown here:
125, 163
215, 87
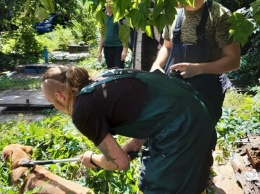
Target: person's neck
197, 5
109, 12
70, 105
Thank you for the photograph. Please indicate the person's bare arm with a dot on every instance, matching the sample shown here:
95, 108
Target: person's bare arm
113, 156
230, 61
100, 48
134, 145
162, 56
124, 53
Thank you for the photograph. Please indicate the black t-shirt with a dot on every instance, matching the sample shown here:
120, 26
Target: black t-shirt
112, 104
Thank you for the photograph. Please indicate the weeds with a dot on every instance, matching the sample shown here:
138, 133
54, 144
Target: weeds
241, 116
55, 137
7, 83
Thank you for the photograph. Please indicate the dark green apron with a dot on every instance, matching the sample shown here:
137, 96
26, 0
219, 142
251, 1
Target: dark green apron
178, 125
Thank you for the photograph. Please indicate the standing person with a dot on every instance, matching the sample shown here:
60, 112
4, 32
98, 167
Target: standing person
126, 102
197, 47
115, 49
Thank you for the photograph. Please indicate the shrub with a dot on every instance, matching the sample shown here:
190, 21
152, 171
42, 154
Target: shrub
241, 116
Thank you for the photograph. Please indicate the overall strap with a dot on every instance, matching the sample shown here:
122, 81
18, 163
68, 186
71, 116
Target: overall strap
176, 33
107, 77
200, 32
177, 30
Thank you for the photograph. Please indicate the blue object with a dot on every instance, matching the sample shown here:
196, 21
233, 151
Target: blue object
49, 24
45, 53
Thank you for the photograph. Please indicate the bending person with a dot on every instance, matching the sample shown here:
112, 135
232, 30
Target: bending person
167, 112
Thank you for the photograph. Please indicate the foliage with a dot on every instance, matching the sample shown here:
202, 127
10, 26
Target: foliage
234, 5
241, 116
139, 15
84, 25
19, 47
249, 70
7, 83
93, 64
25, 43
58, 39
11, 60
55, 137
238, 23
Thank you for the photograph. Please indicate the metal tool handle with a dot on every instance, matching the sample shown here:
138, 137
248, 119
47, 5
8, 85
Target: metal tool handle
44, 162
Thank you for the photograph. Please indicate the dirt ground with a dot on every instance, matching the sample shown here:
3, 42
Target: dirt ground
225, 181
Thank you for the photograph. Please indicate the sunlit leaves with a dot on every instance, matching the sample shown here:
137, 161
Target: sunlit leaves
241, 28
120, 8
48, 5
170, 11
41, 14
256, 11
137, 19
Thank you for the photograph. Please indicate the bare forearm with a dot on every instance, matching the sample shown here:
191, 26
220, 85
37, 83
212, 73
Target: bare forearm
217, 67
133, 145
229, 62
113, 157
161, 59
101, 44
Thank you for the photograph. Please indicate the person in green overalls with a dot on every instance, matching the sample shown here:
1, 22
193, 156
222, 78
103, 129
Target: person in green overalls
113, 39
165, 111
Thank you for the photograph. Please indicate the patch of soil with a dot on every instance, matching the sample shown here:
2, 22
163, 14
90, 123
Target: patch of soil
225, 181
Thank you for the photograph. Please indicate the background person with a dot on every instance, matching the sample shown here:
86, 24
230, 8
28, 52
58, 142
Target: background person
115, 49
200, 50
126, 102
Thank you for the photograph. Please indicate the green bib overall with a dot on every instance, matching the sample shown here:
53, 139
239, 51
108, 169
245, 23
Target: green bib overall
178, 126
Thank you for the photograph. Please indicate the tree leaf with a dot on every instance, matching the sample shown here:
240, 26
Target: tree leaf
41, 14
240, 28
136, 19
48, 5
256, 11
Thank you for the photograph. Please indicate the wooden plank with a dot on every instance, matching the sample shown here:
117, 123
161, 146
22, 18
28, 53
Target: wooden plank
24, 98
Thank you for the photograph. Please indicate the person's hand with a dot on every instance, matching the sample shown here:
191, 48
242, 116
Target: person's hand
99, 56
187, 70
123, 55
85, 160
157, 67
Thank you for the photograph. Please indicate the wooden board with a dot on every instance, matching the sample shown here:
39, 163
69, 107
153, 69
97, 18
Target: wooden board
24, 98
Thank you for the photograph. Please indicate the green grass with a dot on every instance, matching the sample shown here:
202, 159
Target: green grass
13, 83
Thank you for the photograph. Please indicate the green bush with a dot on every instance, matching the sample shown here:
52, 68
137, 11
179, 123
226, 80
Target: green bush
18, 47
241, 117
58, 39
85, 25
